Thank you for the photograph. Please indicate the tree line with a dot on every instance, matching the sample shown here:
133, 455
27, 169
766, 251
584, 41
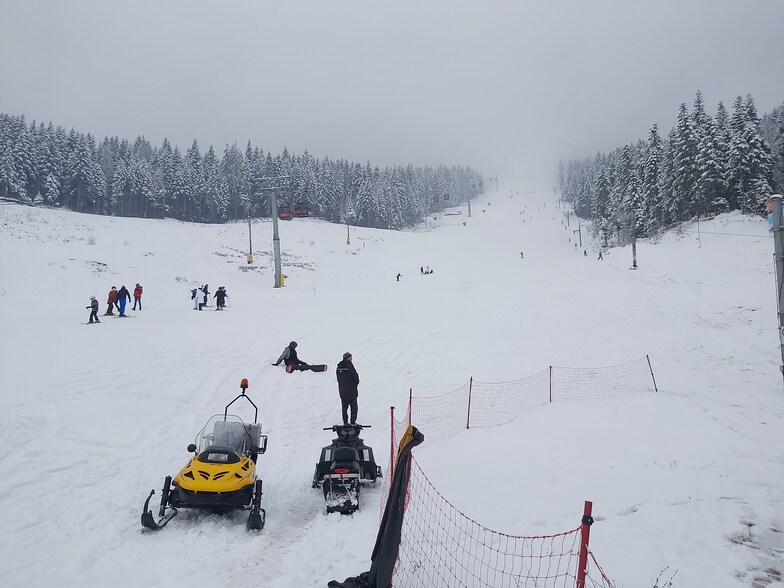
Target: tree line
705, 165
47, 165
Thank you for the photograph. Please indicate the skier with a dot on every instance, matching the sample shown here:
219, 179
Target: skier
206, 290
348, 381
221, 296
94, 310
397, 279
600, 256
521, 255
111, 301
422, 270
585, 253
195, 298
289, 356
123, 296
137, 296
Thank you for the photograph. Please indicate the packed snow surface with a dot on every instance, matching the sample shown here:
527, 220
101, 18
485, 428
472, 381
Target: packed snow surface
94, 416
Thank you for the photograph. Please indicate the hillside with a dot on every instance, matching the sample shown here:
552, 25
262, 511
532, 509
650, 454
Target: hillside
94, 416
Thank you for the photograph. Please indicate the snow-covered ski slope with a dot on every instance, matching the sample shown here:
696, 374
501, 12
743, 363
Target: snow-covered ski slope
94, 416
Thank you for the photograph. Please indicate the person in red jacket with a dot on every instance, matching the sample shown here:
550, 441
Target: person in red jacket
111, 301
137, 296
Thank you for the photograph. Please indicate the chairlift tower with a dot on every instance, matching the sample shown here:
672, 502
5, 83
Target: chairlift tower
277, 183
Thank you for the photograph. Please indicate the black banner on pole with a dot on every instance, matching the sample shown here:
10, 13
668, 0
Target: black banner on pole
389, 532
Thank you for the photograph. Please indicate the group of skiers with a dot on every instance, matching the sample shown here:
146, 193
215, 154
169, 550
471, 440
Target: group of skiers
425, 271
116, 299
200, 296
347, 376
120, 298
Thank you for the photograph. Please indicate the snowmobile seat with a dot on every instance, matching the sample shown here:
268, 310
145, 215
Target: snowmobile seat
218, 454
346, 458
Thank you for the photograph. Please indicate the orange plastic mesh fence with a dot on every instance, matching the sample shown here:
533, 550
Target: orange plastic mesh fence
604, 382
442, 547
494, 404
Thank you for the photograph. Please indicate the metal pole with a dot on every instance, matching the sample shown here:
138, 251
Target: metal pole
391, 442
469, 208
276, 238
655, 388
585, 532
250, 239
778, 246
468, 416
551, 383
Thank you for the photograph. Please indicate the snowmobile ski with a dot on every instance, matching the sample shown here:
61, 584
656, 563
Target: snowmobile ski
148, 521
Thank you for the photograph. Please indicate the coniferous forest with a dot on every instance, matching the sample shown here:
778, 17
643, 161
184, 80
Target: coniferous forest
704, 166
47, 165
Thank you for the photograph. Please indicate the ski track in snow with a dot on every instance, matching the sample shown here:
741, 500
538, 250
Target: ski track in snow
689, 478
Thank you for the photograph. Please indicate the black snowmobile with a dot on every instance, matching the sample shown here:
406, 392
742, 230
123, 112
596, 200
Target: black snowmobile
221, 476
344, 466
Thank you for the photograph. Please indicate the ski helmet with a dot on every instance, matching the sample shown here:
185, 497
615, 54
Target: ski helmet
293, 344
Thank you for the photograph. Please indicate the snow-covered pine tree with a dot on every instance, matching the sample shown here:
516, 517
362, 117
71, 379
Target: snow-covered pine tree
711, 185
651, 171
684, 172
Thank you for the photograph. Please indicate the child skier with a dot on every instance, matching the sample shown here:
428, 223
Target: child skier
94, 310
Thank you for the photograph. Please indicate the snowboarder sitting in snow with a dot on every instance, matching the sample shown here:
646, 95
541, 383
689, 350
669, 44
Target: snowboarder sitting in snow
221, 295
289, 356
348, 382
94, 308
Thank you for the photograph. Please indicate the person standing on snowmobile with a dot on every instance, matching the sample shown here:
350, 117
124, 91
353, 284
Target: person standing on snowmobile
94, 310
137, 296
289, 356
111, 301
123, 296
348, 381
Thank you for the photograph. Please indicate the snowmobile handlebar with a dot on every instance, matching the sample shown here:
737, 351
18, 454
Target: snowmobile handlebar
337, 427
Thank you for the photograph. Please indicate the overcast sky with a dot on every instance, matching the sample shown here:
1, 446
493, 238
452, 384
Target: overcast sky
506, 86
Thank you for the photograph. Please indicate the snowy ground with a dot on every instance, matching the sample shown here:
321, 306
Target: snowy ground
95, 416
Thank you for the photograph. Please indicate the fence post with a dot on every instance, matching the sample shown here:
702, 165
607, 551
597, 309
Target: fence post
585, 532
468, 416
551, 383
391, 442
410, 408
655, 389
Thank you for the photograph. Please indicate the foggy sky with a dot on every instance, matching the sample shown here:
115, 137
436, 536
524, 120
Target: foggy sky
506, 86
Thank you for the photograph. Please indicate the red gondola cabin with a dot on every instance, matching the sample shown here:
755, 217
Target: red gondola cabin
284, 212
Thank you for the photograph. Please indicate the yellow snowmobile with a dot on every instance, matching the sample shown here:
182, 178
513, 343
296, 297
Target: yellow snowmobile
221, 476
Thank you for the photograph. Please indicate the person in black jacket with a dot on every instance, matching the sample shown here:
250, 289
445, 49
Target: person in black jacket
348, 381
289, 355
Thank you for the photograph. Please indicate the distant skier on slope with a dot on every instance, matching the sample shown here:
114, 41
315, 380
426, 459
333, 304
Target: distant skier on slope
221, 296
